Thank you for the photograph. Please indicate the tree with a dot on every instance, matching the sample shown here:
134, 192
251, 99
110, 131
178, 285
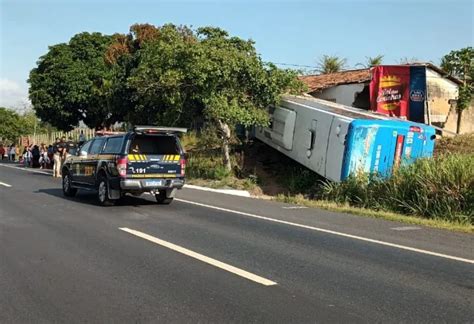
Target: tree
182, 74
15, 125
72, 82
11, 128
371, 61
331, 64
460, 64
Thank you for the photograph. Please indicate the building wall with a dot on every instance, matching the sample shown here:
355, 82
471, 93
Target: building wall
441, 93
343, 94
467, 120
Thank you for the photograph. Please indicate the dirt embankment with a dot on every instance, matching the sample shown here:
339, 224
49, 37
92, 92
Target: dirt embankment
461, 144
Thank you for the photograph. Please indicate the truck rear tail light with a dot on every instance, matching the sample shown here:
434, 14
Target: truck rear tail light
182, 163
416, 129
122, 166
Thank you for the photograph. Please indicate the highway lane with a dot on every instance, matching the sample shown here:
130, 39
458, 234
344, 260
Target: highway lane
67, 260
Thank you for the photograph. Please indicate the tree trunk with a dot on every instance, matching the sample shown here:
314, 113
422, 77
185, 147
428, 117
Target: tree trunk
459, 121
225, 130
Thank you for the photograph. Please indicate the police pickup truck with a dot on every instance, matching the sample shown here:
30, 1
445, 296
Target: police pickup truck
146, 159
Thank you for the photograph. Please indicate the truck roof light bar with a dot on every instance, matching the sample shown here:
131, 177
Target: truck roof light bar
158, 129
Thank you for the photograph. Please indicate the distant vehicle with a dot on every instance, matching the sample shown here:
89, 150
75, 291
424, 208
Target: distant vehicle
147, 159
336, 141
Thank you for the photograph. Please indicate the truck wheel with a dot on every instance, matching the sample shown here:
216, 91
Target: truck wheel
103, 192
68, 190
161, 198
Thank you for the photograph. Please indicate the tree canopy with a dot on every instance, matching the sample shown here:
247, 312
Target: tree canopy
72, 83
371, 61
331, 64
15, 125
460, 64
168, 75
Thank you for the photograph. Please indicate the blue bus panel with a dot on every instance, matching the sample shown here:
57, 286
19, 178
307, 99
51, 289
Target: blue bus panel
380, 146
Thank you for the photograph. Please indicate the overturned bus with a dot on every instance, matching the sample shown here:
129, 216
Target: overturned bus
336, 141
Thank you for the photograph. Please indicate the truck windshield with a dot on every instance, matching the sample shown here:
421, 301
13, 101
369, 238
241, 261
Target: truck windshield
154, 144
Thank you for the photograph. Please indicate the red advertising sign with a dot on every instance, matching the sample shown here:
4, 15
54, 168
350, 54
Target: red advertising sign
390, 90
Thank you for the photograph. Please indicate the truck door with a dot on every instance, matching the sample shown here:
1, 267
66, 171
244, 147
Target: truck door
78, 162
90, 166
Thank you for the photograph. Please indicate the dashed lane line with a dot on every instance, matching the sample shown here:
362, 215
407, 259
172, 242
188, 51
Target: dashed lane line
201, 257
5, 184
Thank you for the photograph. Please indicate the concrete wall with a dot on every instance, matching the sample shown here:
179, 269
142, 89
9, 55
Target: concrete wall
343, 94
467, 120
441, 92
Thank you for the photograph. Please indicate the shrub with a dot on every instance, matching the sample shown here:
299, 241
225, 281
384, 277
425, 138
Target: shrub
206, 165
441, 188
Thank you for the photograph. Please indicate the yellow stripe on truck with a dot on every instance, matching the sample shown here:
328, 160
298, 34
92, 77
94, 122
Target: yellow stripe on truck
153, 175
176, 157
131, 157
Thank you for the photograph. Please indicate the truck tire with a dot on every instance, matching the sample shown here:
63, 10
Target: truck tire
161, 198
68, 190
103, 192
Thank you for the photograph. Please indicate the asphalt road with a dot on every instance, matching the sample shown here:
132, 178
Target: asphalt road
211, 257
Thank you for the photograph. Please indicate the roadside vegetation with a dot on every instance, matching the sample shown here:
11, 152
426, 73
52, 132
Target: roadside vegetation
437, 192
440, 188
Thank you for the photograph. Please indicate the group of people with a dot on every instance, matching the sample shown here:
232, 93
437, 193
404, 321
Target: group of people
42, 156
9, 152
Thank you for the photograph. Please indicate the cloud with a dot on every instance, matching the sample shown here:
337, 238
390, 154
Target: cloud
12, 94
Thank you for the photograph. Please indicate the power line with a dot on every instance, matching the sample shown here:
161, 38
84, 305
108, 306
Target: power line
298, 65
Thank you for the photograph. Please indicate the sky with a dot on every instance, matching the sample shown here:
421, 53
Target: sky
291, 32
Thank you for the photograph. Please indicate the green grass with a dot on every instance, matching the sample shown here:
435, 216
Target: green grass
205, 168
206, 165
386, 215
441, 189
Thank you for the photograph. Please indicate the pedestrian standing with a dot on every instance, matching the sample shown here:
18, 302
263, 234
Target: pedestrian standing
57, 151
70, 147
2, 152
12, 153
82, 138
27, 157
35, 152
59, 155
44, 159
50, 156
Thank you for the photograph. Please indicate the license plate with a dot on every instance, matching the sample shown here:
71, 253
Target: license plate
153, 183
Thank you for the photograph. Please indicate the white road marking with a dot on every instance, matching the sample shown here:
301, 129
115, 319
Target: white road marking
200, 257
355, 237
5, 184
295, 207
406, 228
234, 192
25, 169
